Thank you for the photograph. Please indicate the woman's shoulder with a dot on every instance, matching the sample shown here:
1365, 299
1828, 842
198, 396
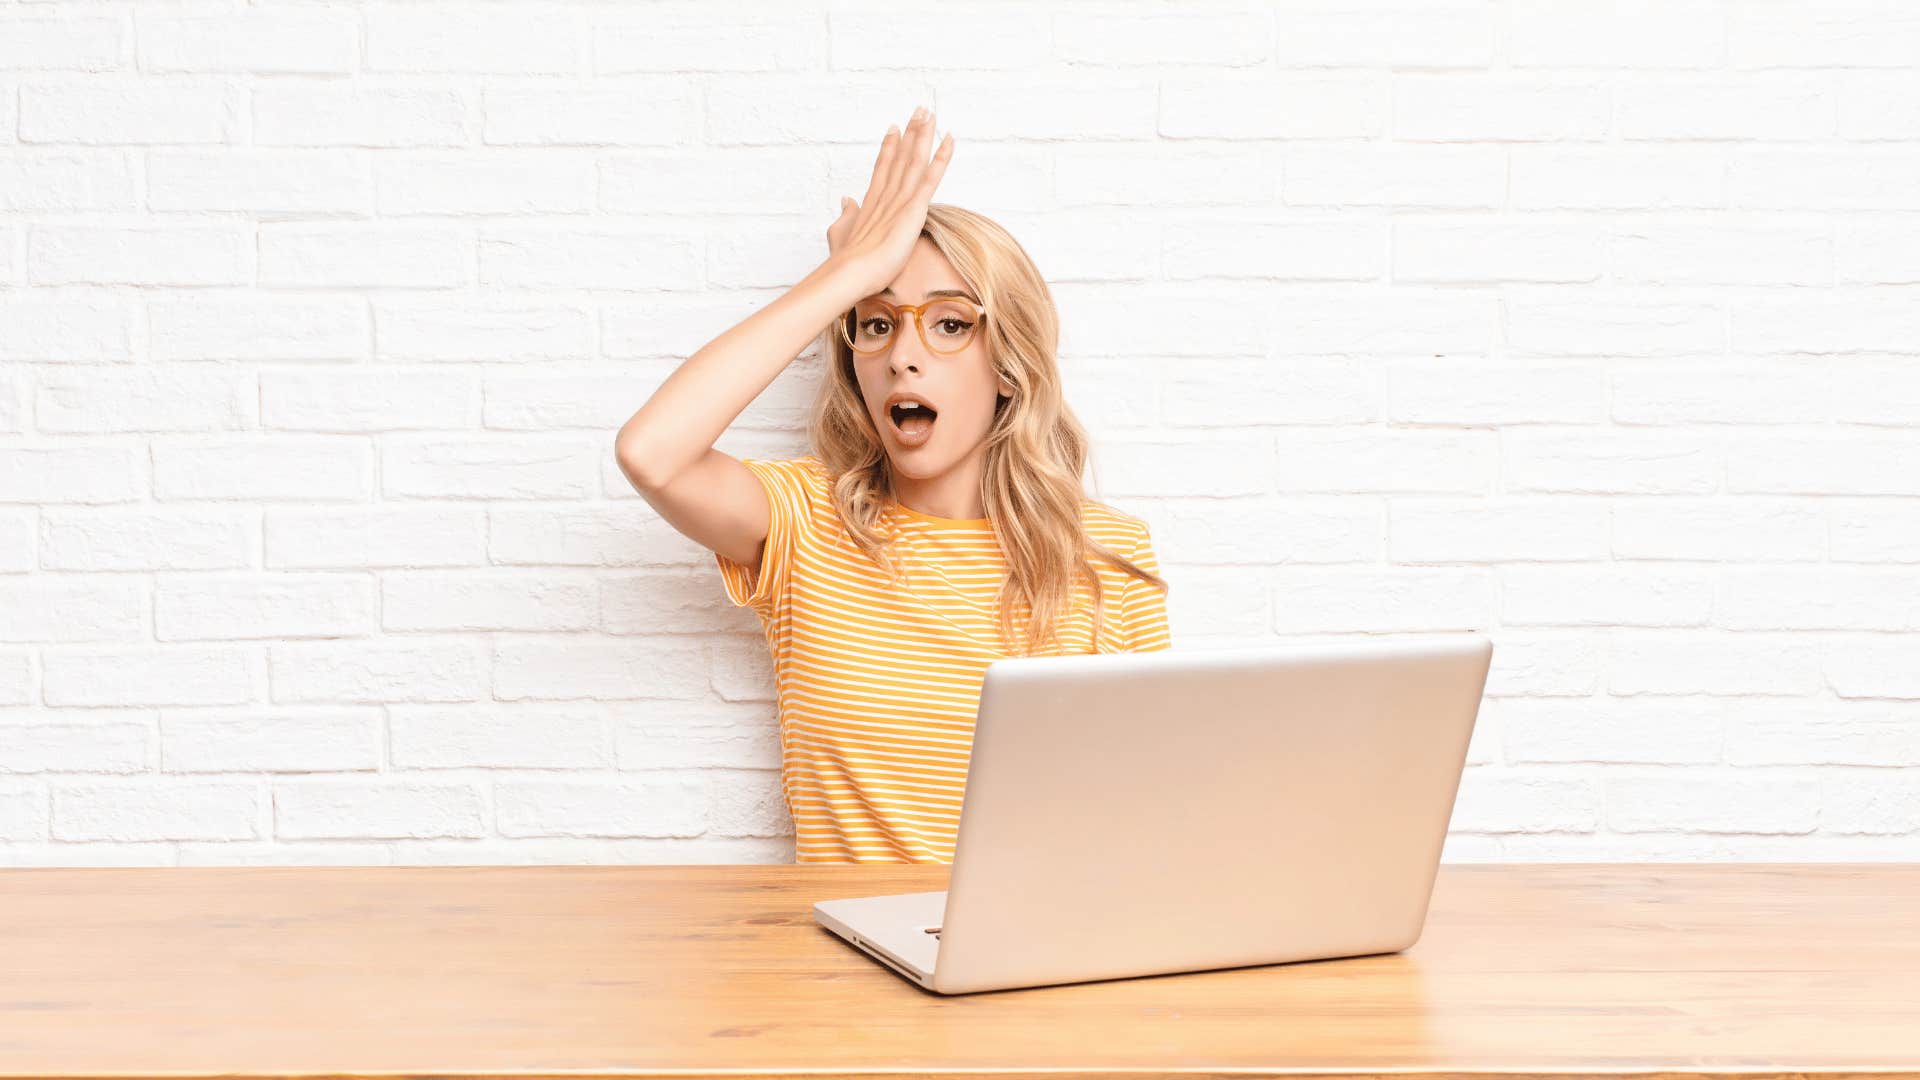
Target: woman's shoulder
1111, 525
814, 467
805, 470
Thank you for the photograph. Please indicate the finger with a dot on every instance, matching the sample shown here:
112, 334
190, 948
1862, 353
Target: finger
922, 142
839, 228
902, 166
921, 146
881, 166
938, 168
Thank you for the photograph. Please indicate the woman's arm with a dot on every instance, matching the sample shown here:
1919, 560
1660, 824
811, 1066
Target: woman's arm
666, 449
867, 244
689, 411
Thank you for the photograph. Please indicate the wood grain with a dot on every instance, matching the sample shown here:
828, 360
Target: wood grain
1650, 970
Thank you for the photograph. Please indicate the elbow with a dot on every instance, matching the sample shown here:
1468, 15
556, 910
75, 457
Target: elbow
636, 462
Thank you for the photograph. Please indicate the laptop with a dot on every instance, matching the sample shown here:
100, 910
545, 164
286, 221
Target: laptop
1130, 814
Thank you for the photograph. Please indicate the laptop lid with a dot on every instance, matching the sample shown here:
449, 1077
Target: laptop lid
1185, 810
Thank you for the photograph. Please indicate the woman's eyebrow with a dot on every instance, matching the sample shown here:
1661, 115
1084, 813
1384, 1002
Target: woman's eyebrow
888, 291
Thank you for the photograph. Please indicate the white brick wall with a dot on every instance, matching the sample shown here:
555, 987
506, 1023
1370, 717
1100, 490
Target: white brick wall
1592, 326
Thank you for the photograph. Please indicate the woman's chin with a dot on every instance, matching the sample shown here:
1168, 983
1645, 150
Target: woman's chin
914, 463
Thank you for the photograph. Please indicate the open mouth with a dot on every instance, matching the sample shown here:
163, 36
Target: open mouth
914, 423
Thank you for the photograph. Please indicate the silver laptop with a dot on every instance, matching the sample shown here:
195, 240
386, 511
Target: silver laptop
1132, 814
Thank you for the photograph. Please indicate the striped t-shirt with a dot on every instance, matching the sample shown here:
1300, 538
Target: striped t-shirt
877, 686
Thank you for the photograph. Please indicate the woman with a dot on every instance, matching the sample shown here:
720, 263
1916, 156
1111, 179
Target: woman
939, 524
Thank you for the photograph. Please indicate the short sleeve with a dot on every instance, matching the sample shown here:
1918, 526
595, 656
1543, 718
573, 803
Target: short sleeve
791, 492
1143, 605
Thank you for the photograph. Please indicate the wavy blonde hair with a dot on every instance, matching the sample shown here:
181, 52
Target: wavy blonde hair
1036, 448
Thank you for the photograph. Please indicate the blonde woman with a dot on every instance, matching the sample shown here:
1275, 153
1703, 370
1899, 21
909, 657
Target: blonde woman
939, 523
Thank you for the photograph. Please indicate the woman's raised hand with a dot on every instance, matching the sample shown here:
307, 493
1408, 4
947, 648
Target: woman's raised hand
877, 234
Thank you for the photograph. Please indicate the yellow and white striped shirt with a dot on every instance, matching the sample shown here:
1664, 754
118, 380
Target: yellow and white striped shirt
878, 687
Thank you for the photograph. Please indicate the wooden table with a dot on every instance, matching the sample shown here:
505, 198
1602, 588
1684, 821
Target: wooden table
1544, 970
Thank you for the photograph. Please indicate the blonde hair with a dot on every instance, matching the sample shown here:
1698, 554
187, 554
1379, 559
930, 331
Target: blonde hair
1036, 448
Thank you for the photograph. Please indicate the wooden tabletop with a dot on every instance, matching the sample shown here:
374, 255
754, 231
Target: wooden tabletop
1546, 970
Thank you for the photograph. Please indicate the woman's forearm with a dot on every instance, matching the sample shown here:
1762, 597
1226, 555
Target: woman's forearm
690, 410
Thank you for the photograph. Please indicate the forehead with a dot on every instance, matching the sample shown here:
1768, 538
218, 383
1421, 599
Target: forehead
927, 271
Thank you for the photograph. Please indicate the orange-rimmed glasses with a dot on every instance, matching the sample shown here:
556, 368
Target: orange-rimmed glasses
945, 325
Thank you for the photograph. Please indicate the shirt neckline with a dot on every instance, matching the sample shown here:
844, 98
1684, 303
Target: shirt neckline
909, 512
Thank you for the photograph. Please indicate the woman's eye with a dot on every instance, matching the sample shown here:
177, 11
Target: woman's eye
867, 326
962, 325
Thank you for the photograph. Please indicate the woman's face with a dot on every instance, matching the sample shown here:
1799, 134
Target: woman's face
960, 387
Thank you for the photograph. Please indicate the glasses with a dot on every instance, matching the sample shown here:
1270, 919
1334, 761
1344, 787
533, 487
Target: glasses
946, 325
